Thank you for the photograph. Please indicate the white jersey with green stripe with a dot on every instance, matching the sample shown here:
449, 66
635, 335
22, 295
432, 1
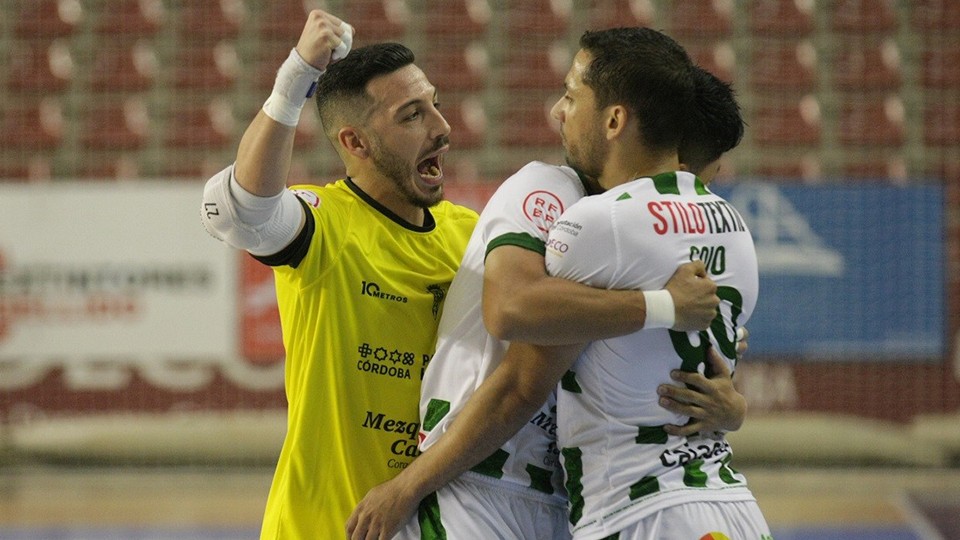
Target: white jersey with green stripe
620, 464
520, 213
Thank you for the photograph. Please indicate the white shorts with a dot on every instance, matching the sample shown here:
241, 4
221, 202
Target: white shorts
474, 506
737, 520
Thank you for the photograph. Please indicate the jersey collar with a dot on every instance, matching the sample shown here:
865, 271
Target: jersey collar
428, 222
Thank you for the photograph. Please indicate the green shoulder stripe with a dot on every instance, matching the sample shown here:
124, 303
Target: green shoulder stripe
523, 240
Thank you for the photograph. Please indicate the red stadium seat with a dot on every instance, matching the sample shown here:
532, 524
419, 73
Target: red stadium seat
940, 67
207, 67
867, 120
48, 18
946, 170
108, 166
40, 66
214, 20
309, 131
942, 125
457, 66
123, 125
377, 20
131, 18
794, 167
864, 16
26, 169
615, 13
34, 126
784, 65
875, 166
124, 67
283, 21
201, 127
269, 57
467, 119
935, 15
196, 166
541, 67
781, 17
787, 123
459, 168
544, 18
866, 65
718, 58
701, 19
461, 18
526, 121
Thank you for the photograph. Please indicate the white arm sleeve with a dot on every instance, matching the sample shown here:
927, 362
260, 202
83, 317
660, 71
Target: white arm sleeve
260, 225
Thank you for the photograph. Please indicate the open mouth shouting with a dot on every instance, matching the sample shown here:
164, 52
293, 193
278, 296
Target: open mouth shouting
431, 169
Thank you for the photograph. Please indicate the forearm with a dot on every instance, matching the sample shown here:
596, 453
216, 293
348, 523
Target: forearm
521, 302
558, 311
263, 159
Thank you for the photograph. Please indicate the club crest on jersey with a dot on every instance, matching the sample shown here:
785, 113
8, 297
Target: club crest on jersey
439, 292
542, 208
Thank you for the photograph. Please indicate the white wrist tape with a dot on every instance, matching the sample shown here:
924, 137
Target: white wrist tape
660, 309
297, 80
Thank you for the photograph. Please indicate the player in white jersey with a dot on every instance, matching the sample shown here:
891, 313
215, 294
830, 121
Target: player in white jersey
620, 465
626, 477
518, 215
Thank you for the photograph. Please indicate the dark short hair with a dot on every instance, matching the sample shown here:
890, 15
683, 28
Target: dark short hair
646, 71
344, 85
716, 124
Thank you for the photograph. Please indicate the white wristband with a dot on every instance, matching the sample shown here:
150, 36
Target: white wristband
295, 83
660, 309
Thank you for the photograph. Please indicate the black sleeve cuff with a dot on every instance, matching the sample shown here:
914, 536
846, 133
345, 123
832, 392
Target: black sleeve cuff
293, 254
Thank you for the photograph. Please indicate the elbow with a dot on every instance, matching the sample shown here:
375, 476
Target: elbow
502, 320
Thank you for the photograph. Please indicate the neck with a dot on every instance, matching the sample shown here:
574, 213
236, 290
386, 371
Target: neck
637, 163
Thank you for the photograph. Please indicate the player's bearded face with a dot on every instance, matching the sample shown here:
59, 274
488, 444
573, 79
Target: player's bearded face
403, 173
588, 152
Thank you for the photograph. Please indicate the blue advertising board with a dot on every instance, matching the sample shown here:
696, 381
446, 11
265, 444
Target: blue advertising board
846, 272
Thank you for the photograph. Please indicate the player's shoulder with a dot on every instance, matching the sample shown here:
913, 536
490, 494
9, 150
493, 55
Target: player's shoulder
313, 194
554, 182
667, 183
539, 171
449, 211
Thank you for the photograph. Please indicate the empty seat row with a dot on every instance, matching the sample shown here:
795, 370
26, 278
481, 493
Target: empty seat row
465, 64
390, 19
859, 120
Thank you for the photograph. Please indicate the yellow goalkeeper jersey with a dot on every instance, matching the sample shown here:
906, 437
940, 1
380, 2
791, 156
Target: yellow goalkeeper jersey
360, 293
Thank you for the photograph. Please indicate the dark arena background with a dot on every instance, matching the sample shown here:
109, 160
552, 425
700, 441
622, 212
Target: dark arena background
141, 367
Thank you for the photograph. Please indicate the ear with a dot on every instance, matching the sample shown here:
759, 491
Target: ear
353, 142
617, 117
